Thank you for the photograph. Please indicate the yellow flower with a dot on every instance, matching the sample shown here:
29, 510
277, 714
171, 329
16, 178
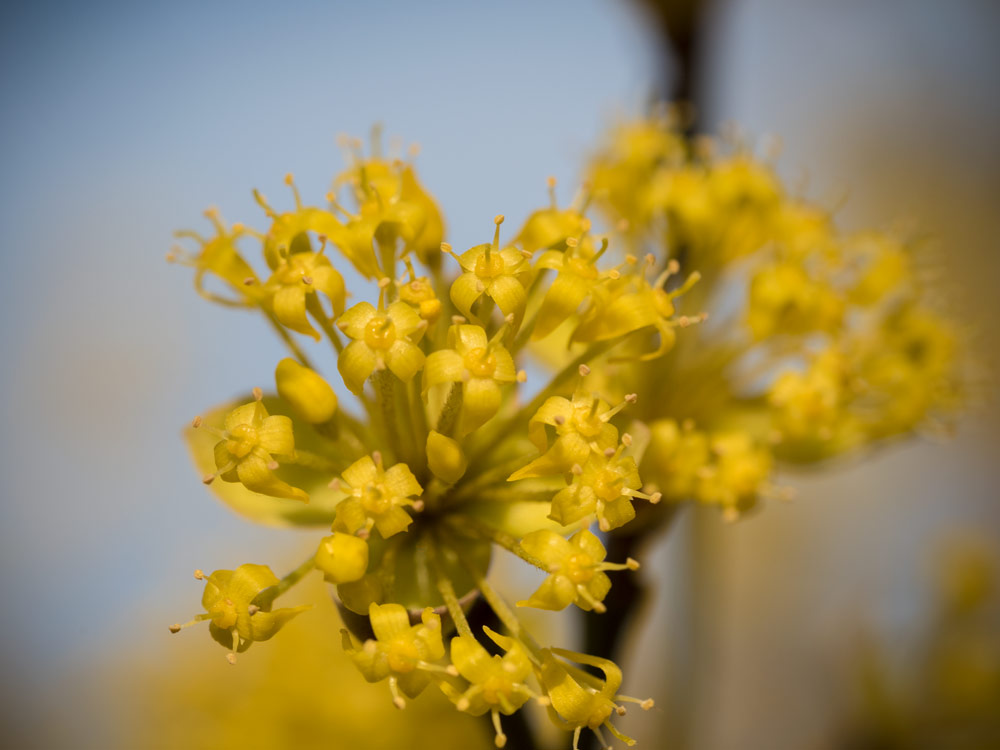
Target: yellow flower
735, 478
252, 443
581, 700
603, 487
551, 227
582, 426
295, 277
376, 497
289, 232
630, 304
491, 272
381, 339
481, 366
786, 300
239, 607
576, 570
575, 281
674, 458
400, 652
497, 682
220, 256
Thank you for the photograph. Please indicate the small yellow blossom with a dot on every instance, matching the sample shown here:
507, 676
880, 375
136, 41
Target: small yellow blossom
295, 278
630, 304
604, 488
239, 607
497, 683
551, 227
576, 570
491, 272
376, 497
219, 256
289, 232
252, 444
580, 700
582, 426
481, 366
402, 653
381, 339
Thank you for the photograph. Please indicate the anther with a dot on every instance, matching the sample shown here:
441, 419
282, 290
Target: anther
249, 281
418, 505
175, 628
384, 282
627, 440
231, 658
584, 371
272, 465
334, 484
559, 419
199, 574
609, 452
458, 320
655, 497
498, 219
632, 564
196, 422
307, 280
577, 469
208, 479
631, 398
572, 242
522, 376
258, 394
253, 609
445, 247
673, 266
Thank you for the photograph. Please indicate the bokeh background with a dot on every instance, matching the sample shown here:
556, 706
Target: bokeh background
121, 122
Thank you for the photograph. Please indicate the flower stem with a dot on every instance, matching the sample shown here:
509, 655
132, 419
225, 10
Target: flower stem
294, 577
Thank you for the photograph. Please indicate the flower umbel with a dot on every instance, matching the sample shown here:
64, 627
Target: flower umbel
438, 456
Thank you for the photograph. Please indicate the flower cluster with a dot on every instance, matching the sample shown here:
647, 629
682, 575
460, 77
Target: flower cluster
822, 342
446, 458
447, 453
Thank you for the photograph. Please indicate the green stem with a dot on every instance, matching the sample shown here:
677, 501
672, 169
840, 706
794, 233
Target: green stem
294, 577
490, 534
450, 598
315, 308
293, 347
384, 382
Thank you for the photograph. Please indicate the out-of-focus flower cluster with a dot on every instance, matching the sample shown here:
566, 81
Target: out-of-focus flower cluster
822, 342
450, 454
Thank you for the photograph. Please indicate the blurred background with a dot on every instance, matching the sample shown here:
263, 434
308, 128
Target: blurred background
123, 122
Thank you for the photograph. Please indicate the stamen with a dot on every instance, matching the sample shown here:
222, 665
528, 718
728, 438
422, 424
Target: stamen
501, 739
199, 575
552, 192
397, 699
290, 181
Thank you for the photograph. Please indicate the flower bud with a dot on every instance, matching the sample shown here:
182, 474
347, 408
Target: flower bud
343, 558
309, 394
445, 457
